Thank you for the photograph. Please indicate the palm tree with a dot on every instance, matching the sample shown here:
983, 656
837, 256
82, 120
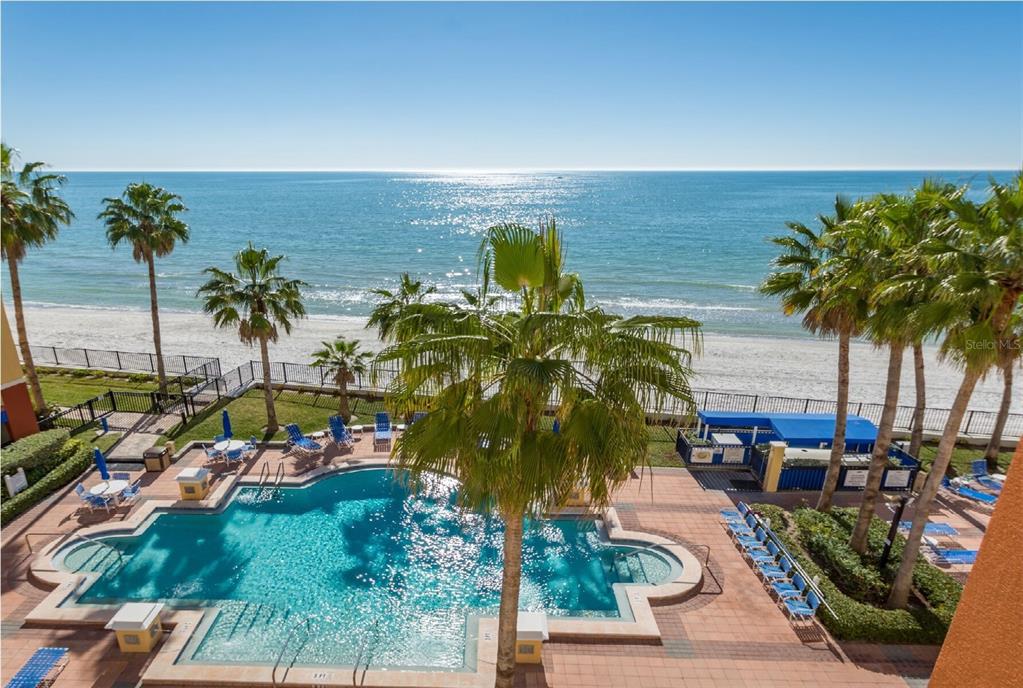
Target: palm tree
388, 312
979, 258
32, 213
146, 217
258, 301
343, 361
809, 278
891, 323
494, 376
1008, 360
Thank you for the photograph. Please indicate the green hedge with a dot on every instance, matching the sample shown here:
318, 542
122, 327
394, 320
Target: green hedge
857, 620
40, 449
75, 457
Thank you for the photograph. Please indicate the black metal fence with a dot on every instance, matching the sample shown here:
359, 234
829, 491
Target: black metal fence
112, 401
129, 361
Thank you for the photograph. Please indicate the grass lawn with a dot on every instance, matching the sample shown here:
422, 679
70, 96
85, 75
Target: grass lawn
962, 456
660, 448
64, 389
248, 415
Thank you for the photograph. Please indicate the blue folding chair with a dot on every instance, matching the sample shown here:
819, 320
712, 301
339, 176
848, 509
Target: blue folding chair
339, 433
382, 433
980, 475
41, 669
789, 589
299, 441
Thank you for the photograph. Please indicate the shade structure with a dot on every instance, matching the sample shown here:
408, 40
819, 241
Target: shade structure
101, 463
227, 423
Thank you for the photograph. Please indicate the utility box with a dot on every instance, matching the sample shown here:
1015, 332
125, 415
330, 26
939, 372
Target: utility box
579, 496
530, 636
137, 626
193, 483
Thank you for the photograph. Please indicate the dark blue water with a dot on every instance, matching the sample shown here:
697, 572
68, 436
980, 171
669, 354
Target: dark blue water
691, 243
364, 562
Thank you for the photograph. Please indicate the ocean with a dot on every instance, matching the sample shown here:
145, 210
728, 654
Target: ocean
690, 243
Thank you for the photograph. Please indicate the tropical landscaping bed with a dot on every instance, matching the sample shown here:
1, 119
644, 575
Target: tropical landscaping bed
854, 587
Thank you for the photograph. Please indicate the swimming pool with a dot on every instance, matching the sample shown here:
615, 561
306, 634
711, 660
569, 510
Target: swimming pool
351, 566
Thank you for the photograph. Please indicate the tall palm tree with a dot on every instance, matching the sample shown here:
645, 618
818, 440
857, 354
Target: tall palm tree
1009, 357
891, 324
493, 377
388, 312
259, 302
810, 279
146, 217
979, 257
343, 360
32, 213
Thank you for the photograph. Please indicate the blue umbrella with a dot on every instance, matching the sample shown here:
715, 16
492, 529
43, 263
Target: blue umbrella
227, 424
101, 463
557, 426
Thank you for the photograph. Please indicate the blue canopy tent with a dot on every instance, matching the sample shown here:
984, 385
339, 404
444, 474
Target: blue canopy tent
101, 463
227, 424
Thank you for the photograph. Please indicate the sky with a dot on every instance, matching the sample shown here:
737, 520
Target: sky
393, 86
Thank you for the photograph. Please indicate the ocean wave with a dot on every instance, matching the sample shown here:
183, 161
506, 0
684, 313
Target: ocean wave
668, 304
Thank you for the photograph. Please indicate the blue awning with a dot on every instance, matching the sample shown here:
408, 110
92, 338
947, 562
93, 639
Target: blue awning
806, 429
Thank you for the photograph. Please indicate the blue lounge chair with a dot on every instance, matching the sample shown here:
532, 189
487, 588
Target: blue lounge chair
931, 528
753, 545
799, 608
789, 589
41, 669
339, 433
298, 441
93, 501
131, 493
746, 527
418, 415
121, 476
954, 556
382, 434
969, 492
735, 515
980, 474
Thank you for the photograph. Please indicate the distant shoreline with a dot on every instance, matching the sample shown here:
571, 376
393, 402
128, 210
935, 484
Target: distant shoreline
781, 366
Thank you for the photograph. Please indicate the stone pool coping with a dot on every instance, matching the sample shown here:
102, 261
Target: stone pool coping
163, 669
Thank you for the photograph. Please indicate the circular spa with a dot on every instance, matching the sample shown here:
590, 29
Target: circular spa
351, 568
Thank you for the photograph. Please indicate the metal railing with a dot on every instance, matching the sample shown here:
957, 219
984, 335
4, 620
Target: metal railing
129, 361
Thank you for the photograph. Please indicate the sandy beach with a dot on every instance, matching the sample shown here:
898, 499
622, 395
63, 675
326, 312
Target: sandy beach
758, 365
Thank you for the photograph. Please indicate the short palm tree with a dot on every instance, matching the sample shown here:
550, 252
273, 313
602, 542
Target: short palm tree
146, 217
388, 312
810, 277
978, 258
32, 213
342, 360
259, 302
493, 377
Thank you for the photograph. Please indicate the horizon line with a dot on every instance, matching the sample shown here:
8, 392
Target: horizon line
526, 170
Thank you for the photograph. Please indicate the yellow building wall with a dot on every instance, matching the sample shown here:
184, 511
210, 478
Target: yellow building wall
10, 364
984, 646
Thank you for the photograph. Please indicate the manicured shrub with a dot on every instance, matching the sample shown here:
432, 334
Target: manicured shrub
828, 543
75, 457
35, 450
140, 377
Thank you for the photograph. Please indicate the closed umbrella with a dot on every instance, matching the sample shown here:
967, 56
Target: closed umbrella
227, 424
101, 463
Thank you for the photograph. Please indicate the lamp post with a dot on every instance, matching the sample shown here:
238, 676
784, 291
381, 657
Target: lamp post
893, 530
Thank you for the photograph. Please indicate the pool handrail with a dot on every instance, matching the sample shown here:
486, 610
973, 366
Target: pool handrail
304, 623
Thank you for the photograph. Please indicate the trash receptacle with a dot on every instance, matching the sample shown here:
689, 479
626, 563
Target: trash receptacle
530, 636
137, 626
156, 458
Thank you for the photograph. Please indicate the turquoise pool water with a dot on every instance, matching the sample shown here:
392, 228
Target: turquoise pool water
352, 565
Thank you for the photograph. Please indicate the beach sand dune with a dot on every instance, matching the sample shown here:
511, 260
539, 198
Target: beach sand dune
795, 367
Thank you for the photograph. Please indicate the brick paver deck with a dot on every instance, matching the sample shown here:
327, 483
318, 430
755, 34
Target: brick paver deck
731, 634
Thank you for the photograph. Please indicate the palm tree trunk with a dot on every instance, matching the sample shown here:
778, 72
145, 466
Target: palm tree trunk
879, 458
19, 323
916, 436
841, 417
994, 445
508, 617
899, 596
343, 409
154, 310
268, 390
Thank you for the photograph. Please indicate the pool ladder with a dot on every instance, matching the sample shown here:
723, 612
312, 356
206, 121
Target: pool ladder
264, 478
366, 648
304, 624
